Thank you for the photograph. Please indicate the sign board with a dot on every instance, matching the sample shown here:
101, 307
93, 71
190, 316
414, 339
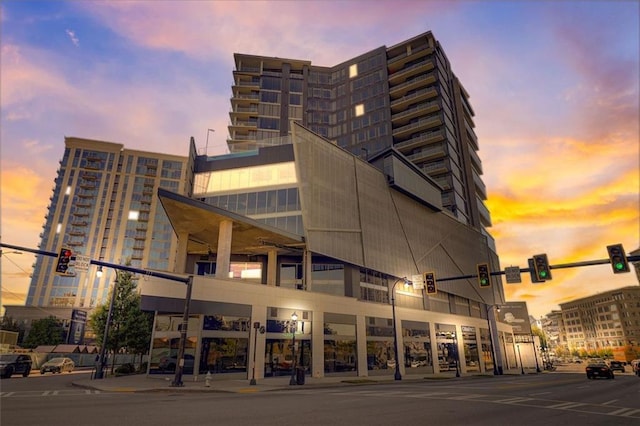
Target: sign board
82, 263
418, 281
516, 315
512, 274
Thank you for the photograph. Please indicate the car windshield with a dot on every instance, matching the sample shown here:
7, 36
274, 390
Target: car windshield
56, 360
597, 364
8, 357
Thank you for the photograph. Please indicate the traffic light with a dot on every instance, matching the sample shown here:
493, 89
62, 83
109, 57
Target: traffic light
618, 259
484, 275
64, 257
541, 266
532, 272
430, 282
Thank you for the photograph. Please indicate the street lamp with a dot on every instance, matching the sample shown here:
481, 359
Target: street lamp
493, 348
102, 360
520, 356
407, 283
256, 326
294, 318
455, 348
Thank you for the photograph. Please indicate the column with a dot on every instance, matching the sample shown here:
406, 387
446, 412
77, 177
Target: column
223, 257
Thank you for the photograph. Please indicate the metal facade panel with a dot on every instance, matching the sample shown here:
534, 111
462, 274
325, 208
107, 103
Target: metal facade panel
385, 244
352, 214
327, 195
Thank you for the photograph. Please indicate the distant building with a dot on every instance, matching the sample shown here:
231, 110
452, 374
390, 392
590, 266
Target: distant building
104, 206
607, 320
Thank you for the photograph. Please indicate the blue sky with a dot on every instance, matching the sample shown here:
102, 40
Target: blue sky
554, 86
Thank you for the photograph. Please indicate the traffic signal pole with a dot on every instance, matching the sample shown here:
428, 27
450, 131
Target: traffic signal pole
188, 280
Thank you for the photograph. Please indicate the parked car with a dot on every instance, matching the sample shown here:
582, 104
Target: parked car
169, 363
599, 369
616, 366
11, 364
58, 365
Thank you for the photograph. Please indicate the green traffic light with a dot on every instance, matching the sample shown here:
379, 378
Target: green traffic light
619, 266
543, 274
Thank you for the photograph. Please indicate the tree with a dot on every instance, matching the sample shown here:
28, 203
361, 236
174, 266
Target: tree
9, 324
45, 331
130, 328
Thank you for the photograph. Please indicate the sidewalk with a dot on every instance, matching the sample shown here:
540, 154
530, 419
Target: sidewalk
163, 383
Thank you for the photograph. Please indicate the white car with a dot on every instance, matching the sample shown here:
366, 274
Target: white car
58, 365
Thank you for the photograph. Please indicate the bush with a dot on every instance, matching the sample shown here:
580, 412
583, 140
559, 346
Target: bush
125, 369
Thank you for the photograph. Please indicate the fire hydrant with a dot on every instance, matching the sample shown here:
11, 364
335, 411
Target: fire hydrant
207, 380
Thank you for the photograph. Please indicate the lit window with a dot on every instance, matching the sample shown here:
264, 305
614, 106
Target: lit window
359, 110
68, 191
353, 70
134, 214
58, 228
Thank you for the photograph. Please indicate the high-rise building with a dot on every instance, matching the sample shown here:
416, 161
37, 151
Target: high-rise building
104, 206
405, 96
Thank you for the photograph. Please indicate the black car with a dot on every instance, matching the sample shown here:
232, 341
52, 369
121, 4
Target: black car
616, 366
11, 364
599, 369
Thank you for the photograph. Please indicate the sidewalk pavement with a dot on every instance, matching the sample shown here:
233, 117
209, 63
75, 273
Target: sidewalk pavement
163, 383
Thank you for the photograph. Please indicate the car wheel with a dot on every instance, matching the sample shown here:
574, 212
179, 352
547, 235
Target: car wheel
26, 373
8, 372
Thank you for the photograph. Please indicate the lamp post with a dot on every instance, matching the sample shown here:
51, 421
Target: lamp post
493, 348
256, 326
397, 375
455, 348
294, 318
102, 361
520, 357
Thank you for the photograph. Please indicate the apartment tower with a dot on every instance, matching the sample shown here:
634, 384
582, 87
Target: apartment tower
104, 206
405, 96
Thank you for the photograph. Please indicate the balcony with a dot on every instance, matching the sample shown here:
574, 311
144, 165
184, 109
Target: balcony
87, 185
397, 62
423, 139
431, 153
415, 83
422, 66
417, 96
420, 125
424, 108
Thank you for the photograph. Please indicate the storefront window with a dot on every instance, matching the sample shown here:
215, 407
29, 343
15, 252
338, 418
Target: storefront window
417, 346
471, 356
223, 355
447, 353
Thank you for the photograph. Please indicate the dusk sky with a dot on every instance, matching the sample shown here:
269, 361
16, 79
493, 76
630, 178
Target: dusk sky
554, 86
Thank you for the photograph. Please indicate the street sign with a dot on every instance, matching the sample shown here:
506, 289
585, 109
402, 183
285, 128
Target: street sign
512, 274
418, 281
82, 263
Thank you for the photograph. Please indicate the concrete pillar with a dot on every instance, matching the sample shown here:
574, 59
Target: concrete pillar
317, 344
361, 333
180, 265
272, 267
223, 257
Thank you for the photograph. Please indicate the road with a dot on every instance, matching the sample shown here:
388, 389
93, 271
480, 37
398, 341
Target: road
544, 399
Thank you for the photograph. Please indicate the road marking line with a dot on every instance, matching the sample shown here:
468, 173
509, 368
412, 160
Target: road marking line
512, 400
565, 405
45, 393
609, 402
4, 394
619, 411
539, 393
631, 412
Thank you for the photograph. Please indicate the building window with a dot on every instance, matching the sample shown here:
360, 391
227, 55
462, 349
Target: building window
353, 70
359, 110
